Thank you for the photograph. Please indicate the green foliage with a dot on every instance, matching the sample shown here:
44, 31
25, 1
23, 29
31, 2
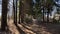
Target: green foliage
37, 6
36, 9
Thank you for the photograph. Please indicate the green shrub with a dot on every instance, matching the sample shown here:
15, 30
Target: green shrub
28, 20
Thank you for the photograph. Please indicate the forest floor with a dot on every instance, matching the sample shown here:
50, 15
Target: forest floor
34, 28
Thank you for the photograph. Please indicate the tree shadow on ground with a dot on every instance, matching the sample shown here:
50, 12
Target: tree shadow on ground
52, 28
19, 29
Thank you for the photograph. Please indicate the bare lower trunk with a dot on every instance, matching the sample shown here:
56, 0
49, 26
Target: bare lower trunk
4, 15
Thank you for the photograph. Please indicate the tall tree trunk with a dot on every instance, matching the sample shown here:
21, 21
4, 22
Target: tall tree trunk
48, 16
20, 8
15, 11
4, 15
43, 14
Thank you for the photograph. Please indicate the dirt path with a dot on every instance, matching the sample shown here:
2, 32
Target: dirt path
38, 28
46, 28
14, 30
12, 27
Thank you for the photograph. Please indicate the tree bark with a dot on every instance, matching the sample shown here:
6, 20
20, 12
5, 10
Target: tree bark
4, 15
15, 11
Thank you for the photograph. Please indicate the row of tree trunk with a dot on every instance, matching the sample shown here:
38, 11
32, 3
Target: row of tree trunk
24, 6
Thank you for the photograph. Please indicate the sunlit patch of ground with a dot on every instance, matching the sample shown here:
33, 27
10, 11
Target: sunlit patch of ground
12, 27
14, 30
